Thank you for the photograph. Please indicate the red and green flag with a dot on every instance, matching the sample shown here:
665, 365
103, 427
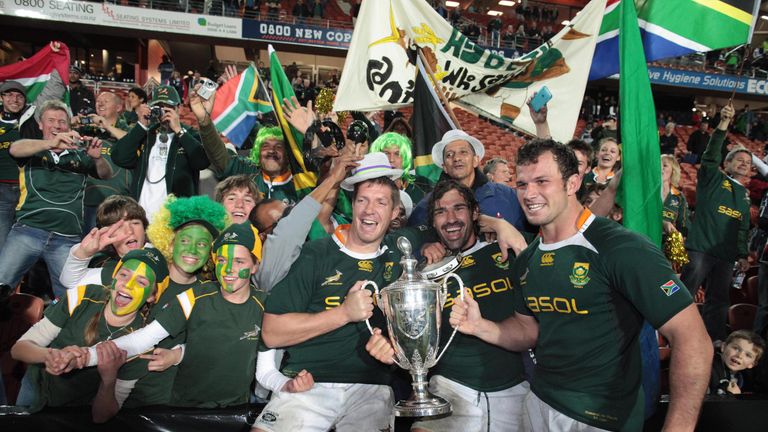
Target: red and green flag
34, 72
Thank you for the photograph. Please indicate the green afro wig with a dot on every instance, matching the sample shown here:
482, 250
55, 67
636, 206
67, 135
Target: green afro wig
178, 212
394, 139
265, 133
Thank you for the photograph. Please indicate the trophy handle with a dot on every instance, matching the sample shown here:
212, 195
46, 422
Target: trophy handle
461, 296
377, 297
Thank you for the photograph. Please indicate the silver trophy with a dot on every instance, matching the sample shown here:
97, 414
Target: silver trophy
413, 307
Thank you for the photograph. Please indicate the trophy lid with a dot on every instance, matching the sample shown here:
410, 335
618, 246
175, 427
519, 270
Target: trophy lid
409, 263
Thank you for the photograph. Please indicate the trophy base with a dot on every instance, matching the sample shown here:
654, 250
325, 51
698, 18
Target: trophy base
431, 406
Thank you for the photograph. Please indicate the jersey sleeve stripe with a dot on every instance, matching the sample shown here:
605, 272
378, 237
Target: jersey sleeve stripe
74, 297
187, 301
258, 302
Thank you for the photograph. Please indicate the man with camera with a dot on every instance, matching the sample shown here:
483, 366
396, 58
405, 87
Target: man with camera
107, 125
166, 156
49, 215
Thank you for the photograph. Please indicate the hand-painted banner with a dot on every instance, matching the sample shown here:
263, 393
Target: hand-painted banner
379, 72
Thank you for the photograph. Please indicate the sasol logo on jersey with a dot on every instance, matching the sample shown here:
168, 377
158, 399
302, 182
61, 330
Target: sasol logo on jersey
547, 259
483, 290
365, 265
729, 212
561, 305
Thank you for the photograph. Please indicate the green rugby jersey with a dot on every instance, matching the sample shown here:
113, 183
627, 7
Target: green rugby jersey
469, 360
96, 189
9, 132
72, 313
51, 190
590, 294
675, 210
221, 346
154, 388
318, 281
721, 222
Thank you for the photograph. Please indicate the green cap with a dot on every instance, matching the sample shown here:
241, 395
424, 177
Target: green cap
243, 234
154, 260
166, 95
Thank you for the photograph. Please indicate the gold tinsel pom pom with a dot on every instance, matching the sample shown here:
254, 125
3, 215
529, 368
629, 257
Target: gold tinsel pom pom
324, 104
324, 101
674, 249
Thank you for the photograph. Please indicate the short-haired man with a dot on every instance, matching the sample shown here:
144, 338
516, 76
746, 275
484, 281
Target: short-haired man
718, 234
166, 156
317, 313
582, 290
483, 382
107, 125
49, 216
697, 141
17, 121
459, 154
497, 171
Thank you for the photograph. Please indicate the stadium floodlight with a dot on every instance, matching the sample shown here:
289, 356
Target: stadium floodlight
506, 3
495, 13
452, 4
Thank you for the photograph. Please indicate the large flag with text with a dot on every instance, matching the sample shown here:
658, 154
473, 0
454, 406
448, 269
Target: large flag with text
380, 69
675, 28
237, 104
34, 72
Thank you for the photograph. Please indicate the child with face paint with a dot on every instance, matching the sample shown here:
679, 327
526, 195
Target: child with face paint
222, 317
83, 316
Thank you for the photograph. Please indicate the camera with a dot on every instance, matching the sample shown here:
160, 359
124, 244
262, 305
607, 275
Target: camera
207, 88
84, 113
155, 114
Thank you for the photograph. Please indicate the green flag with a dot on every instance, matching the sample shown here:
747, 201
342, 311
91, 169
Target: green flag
303, 180
640, 187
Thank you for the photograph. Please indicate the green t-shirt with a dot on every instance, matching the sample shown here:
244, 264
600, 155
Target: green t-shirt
590, 294
469, 360
9, 132
676, 210
51, 190
97, 190
222, 342
319, 280
73, 313
721, 221
154, 388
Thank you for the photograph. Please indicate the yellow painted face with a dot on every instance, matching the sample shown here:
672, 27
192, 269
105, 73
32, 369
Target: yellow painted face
233, 267
131, 287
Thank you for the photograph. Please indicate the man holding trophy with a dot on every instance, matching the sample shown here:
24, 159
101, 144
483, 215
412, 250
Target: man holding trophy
582, 291
484, 383
320, 320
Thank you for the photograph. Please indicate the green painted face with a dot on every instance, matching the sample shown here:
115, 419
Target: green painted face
131, 287
191, 247
229, 264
